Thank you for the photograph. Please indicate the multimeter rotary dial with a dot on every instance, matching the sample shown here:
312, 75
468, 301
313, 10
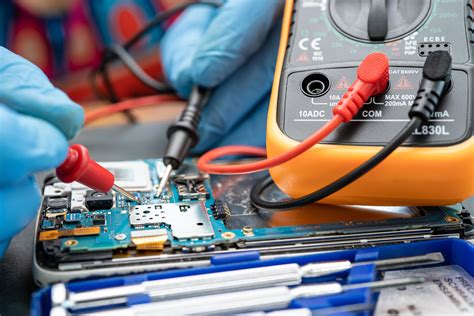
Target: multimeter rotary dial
378, 20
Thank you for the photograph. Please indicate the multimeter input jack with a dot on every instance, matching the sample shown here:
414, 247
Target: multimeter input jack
315, 85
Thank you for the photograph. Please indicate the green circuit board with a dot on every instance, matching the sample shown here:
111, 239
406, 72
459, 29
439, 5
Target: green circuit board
202, 214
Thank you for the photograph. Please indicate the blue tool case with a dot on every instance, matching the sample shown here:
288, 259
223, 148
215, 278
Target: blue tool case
455, 251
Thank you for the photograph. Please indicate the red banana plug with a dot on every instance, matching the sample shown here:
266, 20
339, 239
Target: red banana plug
372, 79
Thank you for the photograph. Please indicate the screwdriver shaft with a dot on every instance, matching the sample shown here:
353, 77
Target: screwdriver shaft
385, 283
407, 262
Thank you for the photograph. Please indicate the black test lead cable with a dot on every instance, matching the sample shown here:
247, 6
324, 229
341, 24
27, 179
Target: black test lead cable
435, 83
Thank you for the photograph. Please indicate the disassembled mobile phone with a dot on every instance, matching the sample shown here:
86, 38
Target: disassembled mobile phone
83, 233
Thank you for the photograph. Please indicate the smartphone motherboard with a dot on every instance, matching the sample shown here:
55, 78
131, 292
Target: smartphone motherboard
199, 216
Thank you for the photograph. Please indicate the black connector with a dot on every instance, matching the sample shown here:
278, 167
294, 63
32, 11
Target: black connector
183, 135
435, 83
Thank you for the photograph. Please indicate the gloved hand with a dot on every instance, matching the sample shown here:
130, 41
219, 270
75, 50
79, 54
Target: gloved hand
36, 119
232, 49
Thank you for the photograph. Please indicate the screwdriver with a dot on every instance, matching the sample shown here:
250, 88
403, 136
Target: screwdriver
264, 299
231, 281
79, 167
183, 135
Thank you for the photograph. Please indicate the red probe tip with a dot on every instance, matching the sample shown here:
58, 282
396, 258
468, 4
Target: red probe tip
372, 79
79, 167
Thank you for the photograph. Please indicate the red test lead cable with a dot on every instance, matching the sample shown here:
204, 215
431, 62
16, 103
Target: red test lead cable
372, 79
79, 167
129, 105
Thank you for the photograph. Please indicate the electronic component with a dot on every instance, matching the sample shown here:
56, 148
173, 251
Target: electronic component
185, 220
52, 214
98, 219
191, 187
78, 201
57, 189
99, 201
152, 239
55, 234
48, 224
73, 217
130, 175
220, 210
57, 203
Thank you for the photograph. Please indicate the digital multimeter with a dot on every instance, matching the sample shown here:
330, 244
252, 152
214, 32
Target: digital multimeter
322, 43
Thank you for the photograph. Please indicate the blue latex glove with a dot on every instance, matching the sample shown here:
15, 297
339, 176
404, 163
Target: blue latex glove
232, 49
36, 119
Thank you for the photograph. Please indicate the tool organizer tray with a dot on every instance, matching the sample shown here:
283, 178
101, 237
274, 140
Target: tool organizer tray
455, 251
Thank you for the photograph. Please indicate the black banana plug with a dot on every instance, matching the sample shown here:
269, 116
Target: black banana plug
434, 85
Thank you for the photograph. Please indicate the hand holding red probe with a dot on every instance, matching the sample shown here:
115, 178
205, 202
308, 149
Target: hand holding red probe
79, 167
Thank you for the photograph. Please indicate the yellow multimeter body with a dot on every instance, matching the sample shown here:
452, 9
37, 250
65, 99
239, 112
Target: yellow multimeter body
320, 49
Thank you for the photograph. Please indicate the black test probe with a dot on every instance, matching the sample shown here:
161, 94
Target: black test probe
183, 135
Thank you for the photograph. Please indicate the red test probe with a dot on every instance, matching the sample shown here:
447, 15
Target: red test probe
79, 167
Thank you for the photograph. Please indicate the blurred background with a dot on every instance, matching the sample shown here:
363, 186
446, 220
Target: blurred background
67, 39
